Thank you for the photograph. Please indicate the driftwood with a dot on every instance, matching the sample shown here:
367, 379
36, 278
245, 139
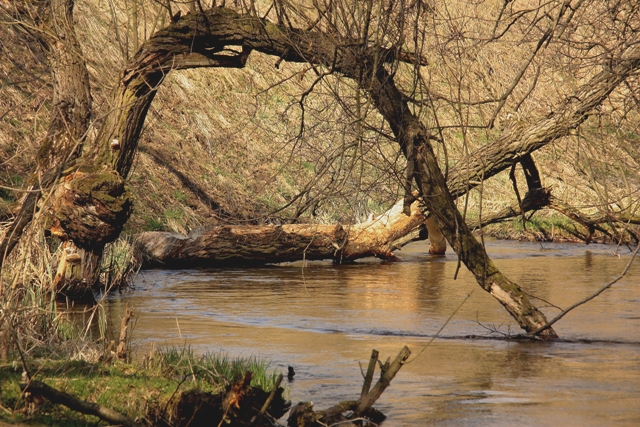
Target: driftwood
232, 244
303, 415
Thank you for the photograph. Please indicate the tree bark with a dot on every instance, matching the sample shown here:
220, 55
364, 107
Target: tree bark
431, 182
228, 245
70, 114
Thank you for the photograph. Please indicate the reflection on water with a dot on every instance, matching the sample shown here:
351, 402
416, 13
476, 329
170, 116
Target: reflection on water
324, 319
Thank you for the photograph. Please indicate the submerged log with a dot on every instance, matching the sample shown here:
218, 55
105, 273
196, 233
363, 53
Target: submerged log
250, 244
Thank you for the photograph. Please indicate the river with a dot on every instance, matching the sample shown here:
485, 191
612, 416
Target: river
324, 319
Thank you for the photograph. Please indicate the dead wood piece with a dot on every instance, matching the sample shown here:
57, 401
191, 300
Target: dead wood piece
88, 408
303, 415
238, 405
369, 377
388, 374
121, 351
228, 245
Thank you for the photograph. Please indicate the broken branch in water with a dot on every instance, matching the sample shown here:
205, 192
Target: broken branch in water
370, 370
367, 401
303, 415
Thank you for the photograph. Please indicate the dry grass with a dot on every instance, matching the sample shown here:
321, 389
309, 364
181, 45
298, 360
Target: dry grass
223, 144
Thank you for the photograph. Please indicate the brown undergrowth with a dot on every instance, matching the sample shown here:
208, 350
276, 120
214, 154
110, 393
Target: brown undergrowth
225, 145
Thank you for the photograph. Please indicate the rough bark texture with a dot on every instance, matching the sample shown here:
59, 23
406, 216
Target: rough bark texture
227, 245
77, 271
71, 111
90, 208
71, 90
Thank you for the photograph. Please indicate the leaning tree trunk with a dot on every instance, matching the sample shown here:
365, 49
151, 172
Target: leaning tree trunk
71, 111
413, 137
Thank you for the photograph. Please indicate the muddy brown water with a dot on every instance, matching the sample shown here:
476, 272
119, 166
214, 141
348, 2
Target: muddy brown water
325, 319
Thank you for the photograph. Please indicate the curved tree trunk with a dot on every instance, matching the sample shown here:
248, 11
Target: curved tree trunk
198, 40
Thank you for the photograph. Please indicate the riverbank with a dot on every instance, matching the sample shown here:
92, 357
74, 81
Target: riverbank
549, 225
166, 388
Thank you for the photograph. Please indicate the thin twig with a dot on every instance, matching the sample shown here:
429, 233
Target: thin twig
587, 299
442, 327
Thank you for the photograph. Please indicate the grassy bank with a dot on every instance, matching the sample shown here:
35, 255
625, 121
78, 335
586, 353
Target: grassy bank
142, 391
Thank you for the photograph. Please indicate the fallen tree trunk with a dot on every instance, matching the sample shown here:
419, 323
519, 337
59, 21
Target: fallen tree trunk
229, 245
233, 244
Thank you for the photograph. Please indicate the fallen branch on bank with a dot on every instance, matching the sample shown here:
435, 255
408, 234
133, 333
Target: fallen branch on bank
38, 388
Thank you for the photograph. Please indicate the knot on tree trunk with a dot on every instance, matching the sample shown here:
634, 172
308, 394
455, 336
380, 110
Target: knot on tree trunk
91, 208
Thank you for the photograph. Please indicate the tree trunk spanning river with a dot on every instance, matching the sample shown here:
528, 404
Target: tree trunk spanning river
325, 318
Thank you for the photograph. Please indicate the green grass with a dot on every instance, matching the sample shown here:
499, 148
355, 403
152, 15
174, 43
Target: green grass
180, 196
128, 388
216, 368
152, 224
124, 388
173, 213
